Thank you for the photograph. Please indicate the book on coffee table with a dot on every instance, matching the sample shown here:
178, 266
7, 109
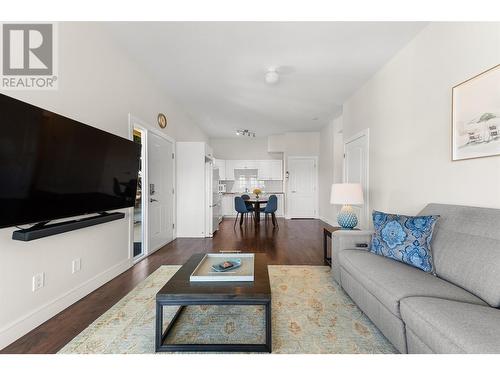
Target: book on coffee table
227, 265
224, 267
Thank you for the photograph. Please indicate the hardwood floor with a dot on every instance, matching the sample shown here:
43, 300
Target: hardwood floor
295, 242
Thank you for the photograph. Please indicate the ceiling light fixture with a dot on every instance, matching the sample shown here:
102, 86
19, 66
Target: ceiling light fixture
272, 76
246, 133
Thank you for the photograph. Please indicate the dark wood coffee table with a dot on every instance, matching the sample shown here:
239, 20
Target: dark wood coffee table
179, 291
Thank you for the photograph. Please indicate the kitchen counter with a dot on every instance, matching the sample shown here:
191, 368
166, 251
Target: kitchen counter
266, 193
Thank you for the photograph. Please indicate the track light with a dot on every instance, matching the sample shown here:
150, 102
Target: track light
246, 133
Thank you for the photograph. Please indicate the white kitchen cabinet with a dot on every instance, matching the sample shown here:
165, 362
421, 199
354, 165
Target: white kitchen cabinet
245, 164
228, 205
266, 169
281, 205
230, 170
250, 164
221, 165
270, 170
276, 167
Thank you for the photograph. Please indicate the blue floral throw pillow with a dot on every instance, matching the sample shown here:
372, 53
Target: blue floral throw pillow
404, 238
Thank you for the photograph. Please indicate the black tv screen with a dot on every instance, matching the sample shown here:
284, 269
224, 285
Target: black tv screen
52, 167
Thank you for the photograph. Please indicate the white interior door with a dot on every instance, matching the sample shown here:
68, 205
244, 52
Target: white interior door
356, 162
161, 193
302, 187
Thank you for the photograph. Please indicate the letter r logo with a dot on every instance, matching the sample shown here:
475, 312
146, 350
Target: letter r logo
27, 49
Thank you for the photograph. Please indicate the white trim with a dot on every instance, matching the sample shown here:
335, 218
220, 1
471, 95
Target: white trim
136, 122
132, 118
29, 321
316, 182
363, 133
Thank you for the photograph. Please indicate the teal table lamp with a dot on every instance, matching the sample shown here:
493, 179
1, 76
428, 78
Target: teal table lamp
347, 195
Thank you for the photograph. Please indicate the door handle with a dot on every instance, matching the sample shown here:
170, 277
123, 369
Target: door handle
153, 200
294, 191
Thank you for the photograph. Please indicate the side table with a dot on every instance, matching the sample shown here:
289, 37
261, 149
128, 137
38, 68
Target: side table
328, 233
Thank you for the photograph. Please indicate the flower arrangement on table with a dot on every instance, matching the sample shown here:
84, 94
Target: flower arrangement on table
257, 191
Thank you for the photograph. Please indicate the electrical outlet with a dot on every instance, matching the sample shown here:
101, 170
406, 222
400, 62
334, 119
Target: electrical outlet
76, 265
38, 281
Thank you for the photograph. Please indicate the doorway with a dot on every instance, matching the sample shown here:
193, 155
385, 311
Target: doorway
356, 163
138, 235
161, 191
153, 218
302, 192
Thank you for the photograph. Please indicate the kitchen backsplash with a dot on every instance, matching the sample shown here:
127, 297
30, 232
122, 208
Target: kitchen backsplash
251, 182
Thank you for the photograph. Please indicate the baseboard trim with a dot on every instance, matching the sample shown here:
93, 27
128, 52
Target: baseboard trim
31, 320
190, 235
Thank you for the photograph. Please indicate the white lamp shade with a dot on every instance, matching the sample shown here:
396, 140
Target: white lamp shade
346, 194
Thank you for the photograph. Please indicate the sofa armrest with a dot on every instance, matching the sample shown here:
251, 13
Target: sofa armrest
348, 240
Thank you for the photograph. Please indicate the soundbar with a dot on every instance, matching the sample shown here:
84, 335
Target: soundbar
45, 230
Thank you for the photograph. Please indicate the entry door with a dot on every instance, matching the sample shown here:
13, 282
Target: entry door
302, 191
356, 156
161, 193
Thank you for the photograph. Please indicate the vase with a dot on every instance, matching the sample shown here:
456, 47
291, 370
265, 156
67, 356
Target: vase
347, 218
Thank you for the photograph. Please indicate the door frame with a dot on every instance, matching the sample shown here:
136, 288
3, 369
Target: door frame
136, 122
363, 133
316, 181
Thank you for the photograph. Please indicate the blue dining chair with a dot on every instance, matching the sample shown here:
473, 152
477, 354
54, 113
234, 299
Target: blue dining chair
271, 208
241, 209
248, 204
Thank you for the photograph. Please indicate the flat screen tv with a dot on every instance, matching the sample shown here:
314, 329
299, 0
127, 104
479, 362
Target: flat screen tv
53, 167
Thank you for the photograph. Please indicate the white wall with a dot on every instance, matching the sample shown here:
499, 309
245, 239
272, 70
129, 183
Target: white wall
330, 167
338, 153
407, 106
325, 171
243, 148
302, 143
98, 85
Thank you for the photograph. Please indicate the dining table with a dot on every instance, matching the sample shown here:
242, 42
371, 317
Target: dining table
256, 202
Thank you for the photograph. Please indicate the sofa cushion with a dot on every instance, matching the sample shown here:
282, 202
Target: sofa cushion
466, 248
403, 238
390, 281
447, 326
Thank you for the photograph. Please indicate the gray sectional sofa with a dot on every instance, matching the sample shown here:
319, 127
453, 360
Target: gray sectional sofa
456, 311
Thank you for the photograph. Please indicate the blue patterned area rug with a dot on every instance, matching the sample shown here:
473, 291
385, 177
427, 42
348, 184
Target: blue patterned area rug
310, 314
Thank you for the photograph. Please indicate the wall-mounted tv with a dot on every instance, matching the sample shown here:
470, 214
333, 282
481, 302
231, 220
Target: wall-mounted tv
52, 167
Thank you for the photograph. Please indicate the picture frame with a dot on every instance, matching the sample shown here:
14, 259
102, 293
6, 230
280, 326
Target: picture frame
476, 116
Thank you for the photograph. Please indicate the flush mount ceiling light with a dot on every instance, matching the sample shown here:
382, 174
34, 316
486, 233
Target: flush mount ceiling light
246, 133
272, 76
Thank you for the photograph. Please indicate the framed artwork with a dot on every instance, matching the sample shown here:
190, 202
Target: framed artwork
476, 116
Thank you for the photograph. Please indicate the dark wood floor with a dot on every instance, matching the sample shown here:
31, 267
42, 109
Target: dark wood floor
295, 242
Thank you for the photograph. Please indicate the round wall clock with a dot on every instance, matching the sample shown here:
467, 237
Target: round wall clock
162, 120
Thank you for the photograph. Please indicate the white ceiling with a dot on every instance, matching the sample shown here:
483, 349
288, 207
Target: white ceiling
215, 70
